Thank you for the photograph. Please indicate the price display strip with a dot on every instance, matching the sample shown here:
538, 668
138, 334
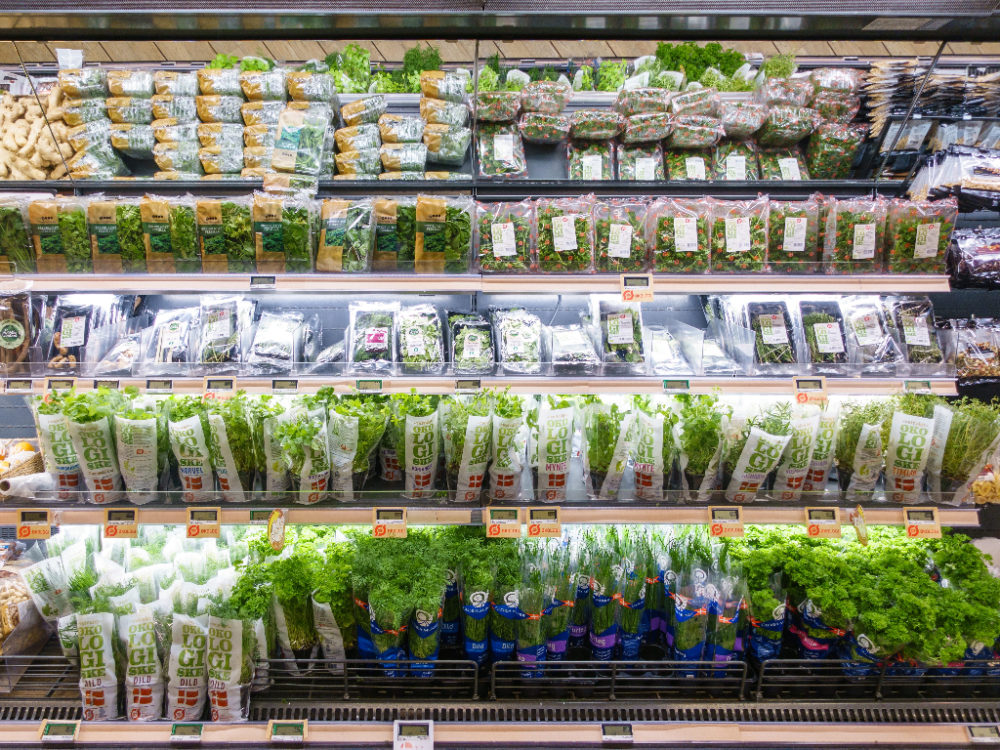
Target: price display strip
260, 517
810, 390
111, 385
503, 523
58, 732
186, 734
368, 385
823, 523
287, 732
922, 523
284, 385
18, 385
916, 386
468, 386
412, 735
725, 520
544, 521
984, 734
677, 386
159, 385
262, 282
389, 523
204, 523
121, 523
637, 287
617, 734
219, 387
34, 524
56, 385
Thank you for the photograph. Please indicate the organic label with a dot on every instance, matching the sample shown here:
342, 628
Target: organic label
828, 338
795, 234
620, 240
685, 234
564, 233
789, 169
620, 328
694, 167
928, 236
503, 239
737, 234
915, 330
736, 167
772, 329
503, 147
864, 242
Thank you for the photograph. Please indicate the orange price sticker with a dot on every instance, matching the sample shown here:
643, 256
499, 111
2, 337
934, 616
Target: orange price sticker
34, 524
823, 523
725, 521
389, 523
503, 523
204, 523
544, 522
922, 523
121, 523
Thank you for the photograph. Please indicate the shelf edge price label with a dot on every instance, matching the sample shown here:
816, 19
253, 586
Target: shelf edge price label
111, 385
368, 385
159, 385
287, 732
218, 387
186, 733
412, 735
503, 523
262, 282
823, 523
544, 521
260, 517
56, 385
389, 523
58, 732
204, 523
617, 734
468, 386
811, 390
725, 520
677, 386
637, 287
121, 523
34, 524
18, 385
284, 385
984, 734
917, 386
922, 523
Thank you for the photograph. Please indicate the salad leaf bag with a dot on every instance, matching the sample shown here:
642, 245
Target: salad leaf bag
621, 239
739, 235
918, 234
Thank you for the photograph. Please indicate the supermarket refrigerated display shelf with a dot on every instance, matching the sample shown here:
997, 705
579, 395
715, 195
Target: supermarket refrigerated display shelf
526, 384
473, 283
424, 513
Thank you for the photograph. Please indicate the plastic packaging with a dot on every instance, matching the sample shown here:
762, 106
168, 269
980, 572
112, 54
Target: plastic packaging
643, 161
137, 83
170, 129
372, 336
213, 108
911, 321
547, 97
182, 109
219, 81
869, 341
855, 235
695, 102
127, 109
180, 156
775, 333
590, 160
440, 112
836, 106
400, 129
498, 106
735, 160
742, 119
220, 134
565, 234
470, 344
358, 137
793, 236
263, 85
283, 233
78, 111
823, 334
643, 128
572, 351
440, 84
347, 236
261, 113
299, 140
447, 144
84, 83
167, 344
641, 101
59, 235
677, 231
621, 238
308, 86
596, 124
136, 141
518, 337
687, 164
443, 241
919, 234
367, 109
505, 237
395, 234
175, 83
365, 161
696, 131
739, 236
831, 150
782, 164
225, 235
501, 151
786, 126
621, 333
420, 338
784, 92
403, 157
221, 159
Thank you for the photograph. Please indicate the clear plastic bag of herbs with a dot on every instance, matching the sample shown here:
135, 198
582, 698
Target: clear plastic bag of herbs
678, 235
854, 236
420, 339
869, 341
518, 336
774, 333
793, 236
505, 237
471, 344
911, 321
739, 235
621, 330
621, 237
640, 161
918, 235
371, 334
824, 335
565, 234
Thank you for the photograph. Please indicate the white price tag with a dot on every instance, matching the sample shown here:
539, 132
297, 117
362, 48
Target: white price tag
795, 234
564, 233
503, 239
685, 234
928, 236
412, 735
738, 234
864, 242
736, 167
915, 331
620, 240
503, 147
620, 328
789, 169
592, 166
867, 329
694, 167
828, 338
645, 168
772, 329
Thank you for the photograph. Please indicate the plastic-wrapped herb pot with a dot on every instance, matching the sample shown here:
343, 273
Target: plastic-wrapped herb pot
678, 235
919, 233
735, 160
498, 106
696, 131
782, 164
501, 151
537, 127
687, 164
792, 244
823, 328
739, 236
772, 327
642, 161
832, 148
591, 160
505, 237
855, 235
742, 119
565, 234
645, 128
621, 241
786, 126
